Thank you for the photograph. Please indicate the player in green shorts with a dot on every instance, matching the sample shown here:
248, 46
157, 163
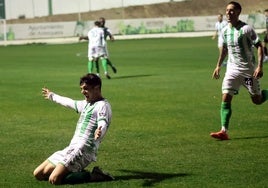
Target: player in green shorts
237, 40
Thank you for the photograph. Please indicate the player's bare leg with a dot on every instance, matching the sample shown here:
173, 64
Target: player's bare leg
259, 99
96, 61
105, 67
58, 174
226, 112
90, 66
43, 171
111, 65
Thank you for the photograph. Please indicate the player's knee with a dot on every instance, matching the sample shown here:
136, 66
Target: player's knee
257, 99
35, 173
54, 179
38, 175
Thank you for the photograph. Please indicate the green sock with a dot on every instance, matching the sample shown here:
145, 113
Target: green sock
77, 177
264, 95
226, 113
97, 67
90, 66
104, 64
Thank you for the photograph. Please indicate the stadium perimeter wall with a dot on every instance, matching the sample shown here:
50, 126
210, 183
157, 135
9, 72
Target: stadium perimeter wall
68, 32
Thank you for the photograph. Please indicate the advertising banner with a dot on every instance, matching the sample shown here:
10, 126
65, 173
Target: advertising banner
123, 27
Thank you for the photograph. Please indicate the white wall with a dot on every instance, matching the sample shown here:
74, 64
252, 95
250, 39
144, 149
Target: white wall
29, 8
37, 8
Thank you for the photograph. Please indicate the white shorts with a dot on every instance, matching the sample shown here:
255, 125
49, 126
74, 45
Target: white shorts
96, 52
231, 84
74, 159
219, 43
106, 51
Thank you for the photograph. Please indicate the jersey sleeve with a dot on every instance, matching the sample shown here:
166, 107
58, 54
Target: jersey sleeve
107, 32
221, 39
251, 34
67, 102
104, 117
104, 113
216, 26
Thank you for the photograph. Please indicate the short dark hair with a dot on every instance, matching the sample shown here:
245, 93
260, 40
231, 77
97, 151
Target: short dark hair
102, 20
97, 23
91, 80
236, 5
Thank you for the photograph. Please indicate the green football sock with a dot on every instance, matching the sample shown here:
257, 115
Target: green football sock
104, 64
97, 67
226, 113
77, 177
264, 95
90, 66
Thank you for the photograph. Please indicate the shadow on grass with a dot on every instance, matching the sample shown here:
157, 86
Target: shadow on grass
249, 137
150, 178
132, 76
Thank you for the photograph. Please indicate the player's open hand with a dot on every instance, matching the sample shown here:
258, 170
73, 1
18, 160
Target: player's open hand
46, 92
216, 73
112, 38
98, 133
258, 73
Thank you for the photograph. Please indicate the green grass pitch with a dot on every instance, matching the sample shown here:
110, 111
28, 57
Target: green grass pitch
164, 104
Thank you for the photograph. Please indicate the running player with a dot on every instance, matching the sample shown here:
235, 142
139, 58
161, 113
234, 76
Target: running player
219, 25
265, 41
96, 48
107, 33
95, 118
237, 40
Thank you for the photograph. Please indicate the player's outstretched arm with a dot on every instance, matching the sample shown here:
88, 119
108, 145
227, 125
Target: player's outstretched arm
111, 37
98, 133
101, 130
215, 35
46, 92
64, 101
258, 73
83, 38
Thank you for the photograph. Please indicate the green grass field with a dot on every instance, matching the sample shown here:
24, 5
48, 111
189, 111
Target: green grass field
164, 103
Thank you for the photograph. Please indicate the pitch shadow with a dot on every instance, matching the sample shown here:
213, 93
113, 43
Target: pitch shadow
249, 137
131, 76
150, 178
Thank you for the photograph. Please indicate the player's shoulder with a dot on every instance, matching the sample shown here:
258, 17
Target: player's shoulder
102, 102
103, 105
80, 105
242, 24
246, 27
106, 30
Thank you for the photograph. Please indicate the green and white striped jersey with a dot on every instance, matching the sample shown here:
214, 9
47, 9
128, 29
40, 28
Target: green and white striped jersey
240, 41
91, 116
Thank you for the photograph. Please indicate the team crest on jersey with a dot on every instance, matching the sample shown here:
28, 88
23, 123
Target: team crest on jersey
102, 114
